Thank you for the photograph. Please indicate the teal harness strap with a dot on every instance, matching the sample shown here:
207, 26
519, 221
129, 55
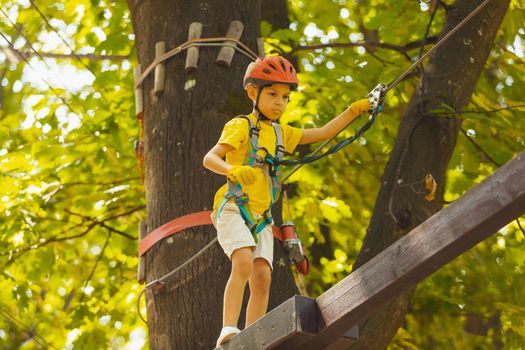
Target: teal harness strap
270, 166
277, 173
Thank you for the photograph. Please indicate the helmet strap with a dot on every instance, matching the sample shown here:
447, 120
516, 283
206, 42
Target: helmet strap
256, 105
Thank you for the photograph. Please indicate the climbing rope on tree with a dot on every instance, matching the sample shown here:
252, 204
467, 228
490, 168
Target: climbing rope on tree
216, 41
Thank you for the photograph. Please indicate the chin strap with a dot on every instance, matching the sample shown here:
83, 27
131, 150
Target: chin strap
261, 116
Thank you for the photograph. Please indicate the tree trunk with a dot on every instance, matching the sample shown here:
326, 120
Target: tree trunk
424, 145
179, 128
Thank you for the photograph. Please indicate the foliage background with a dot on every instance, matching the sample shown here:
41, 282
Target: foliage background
71, 196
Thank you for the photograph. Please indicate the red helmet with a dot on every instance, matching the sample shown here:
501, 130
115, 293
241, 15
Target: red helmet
270, 70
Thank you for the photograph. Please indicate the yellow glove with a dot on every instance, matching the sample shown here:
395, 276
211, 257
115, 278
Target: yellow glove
245, 174
360, 106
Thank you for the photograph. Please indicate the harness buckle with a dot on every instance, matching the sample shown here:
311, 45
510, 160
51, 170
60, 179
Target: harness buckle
268, 217
269, 160
254, 131
241, 199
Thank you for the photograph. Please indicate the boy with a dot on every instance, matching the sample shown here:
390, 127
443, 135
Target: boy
241, 207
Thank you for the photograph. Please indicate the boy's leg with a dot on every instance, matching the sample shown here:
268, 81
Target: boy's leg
259, 290
242, 266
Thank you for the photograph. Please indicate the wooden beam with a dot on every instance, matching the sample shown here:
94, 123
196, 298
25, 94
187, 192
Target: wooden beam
226, 53
473, 217
141, 274
160, 70
329, 322
139, 102
260, 47
192, 54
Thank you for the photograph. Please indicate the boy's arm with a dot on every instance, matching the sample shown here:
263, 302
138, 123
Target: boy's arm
213, 160
337, 124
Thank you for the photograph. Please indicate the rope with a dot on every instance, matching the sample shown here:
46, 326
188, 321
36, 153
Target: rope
65, 87
312, 156
33, 4
438, 44
55, 92
31, 332
158, 281
223, 41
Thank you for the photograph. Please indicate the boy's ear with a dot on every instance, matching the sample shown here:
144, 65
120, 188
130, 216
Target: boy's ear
251, 90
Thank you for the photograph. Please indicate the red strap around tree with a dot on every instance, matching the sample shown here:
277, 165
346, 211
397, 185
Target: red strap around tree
183, 223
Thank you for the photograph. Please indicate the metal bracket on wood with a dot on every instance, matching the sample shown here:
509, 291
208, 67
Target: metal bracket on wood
160, 69
192, 54
156, 286
260, 47
142, 259
226, 53
139, 106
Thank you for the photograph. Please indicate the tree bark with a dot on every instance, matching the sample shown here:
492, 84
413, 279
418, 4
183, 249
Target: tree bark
180, 126
275, 12
424, 145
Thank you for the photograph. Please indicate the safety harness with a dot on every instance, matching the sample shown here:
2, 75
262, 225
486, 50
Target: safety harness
270, 166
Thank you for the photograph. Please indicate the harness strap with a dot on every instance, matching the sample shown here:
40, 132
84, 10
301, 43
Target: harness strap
270, 167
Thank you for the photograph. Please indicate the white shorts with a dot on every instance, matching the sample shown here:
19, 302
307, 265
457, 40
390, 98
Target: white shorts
233, 234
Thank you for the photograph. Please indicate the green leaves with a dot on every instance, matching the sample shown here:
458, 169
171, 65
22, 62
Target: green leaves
60, 176
476, 282
64, 191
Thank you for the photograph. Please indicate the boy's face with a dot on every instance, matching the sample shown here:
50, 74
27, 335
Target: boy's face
273, 99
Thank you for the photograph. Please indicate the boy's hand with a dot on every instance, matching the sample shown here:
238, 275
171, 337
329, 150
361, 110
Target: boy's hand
360, 106
245, 174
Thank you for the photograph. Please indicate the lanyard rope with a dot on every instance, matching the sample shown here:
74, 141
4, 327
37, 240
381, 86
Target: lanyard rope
438, 44
339, 146
313, 156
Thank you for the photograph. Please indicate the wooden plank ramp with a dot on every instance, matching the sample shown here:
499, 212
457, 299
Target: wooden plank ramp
329, 321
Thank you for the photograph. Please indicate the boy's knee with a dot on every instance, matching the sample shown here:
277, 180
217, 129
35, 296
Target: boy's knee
262, 279
261, 275
243, 269
242, 263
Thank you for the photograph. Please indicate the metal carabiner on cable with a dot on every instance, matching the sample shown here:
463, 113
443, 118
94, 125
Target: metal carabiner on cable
377, 97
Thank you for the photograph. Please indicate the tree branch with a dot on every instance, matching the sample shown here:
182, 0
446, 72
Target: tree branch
95, 266
479, 112
111, 183
492, 160
478, 147
15, 253
111, 229
89, 218
131, 211
425, 37
19, 251
519, 225
93, 57
398, 48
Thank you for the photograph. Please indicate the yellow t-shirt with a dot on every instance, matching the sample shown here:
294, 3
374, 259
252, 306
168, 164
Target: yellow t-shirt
236, 134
